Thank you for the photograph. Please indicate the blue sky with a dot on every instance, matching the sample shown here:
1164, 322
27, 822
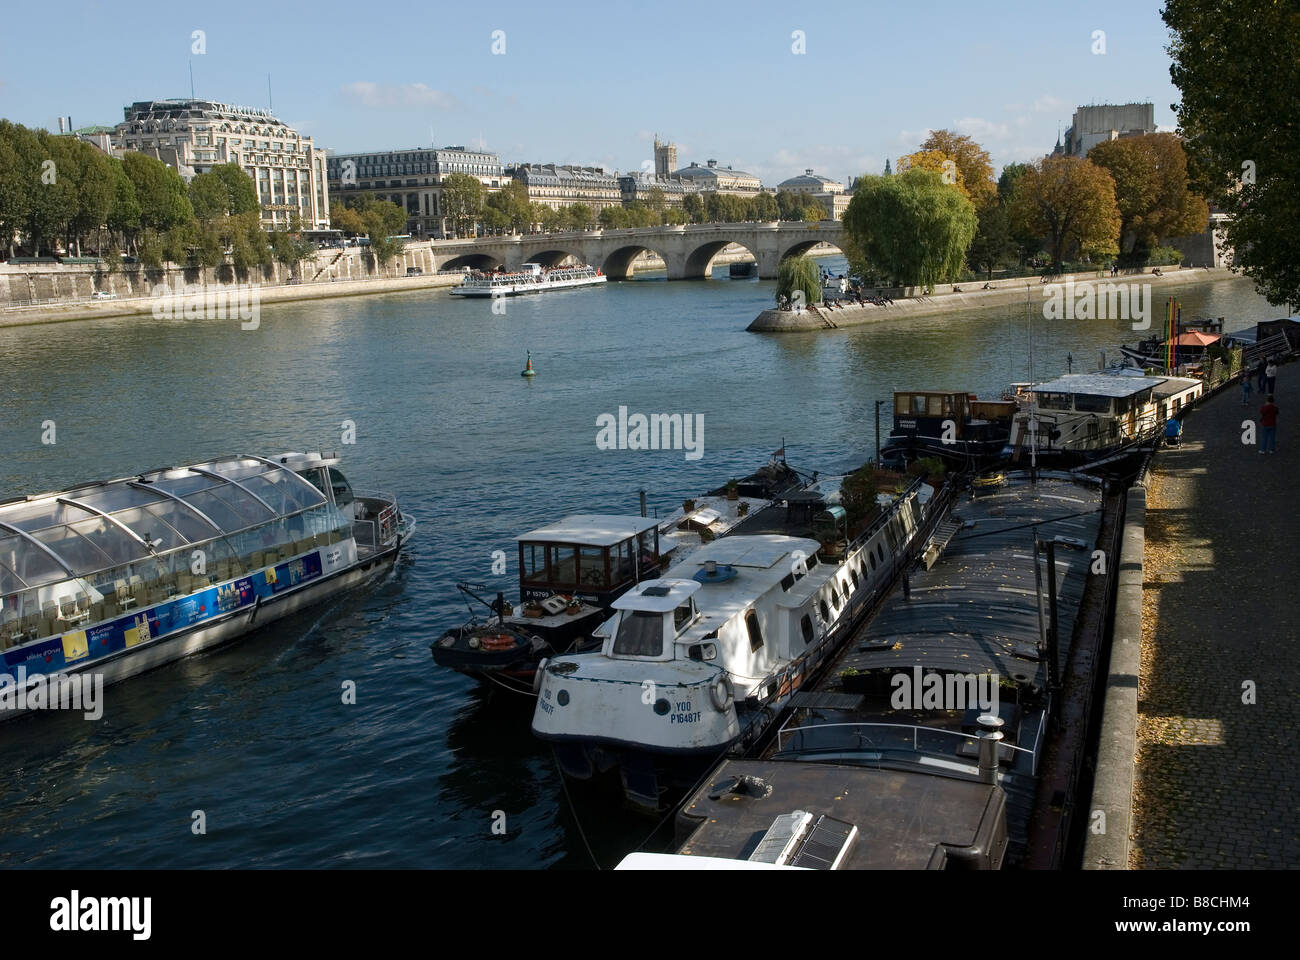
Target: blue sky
591, 83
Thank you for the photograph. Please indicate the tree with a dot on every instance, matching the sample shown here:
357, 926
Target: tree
693, 207
656, 199
512, 201
554, 220
799, 274
1025, 242
973, 163
789, 205
764, 208
1237, 66
993, 245
1151, 192
462, 199
222, 191
53, 197
940, 163
16, 183
911, 227
613, 218
580, 217
384, 219
159, 190
346, 219
1071, 202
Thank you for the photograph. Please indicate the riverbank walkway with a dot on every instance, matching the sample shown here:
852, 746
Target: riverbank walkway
1217, 780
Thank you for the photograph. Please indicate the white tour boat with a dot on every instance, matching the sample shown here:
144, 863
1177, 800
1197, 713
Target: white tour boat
706, 657
115, 578
531, 278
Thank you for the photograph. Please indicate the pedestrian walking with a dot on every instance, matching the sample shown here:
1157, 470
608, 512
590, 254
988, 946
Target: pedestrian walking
1259, 375
1270, 376
1268, 427
1245, 389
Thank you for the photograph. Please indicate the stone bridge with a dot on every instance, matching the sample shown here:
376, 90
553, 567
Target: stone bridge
687, 250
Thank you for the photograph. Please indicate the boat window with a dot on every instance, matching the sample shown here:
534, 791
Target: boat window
939, 406
622, 561
683, 615
812, 561
1089, 404
649, 542
533, 561
872, 557
314, 477
826, 613
853, 572
755, 631
640, 634
1053, 401
805, 624
75, 551
564, 565
342, 489
591, 564
787, 581
918, 405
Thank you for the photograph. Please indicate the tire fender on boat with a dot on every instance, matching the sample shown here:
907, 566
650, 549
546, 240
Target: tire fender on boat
720, 692
537, 676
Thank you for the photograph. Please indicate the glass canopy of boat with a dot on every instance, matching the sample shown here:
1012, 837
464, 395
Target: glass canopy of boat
81, 531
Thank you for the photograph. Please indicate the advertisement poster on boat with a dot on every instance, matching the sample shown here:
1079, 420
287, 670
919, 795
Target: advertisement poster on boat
294, 572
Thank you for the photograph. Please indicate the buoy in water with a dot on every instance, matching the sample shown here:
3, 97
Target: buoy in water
528, 370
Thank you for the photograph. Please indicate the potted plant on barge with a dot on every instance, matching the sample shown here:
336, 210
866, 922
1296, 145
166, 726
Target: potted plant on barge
742, 509
733, 490
688, 506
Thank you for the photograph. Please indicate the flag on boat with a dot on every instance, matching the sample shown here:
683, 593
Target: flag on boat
780, 453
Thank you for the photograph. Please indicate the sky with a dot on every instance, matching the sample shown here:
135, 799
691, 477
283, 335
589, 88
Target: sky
592, 84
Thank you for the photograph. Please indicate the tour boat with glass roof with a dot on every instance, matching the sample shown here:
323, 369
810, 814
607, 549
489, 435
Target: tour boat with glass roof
530, 278
121, 576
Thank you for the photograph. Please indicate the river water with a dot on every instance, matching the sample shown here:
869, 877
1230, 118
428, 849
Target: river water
419, 771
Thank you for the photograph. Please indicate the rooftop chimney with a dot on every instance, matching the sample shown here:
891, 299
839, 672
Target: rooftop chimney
60, 124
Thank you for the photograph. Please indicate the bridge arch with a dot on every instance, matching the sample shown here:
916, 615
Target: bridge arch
552, 258
803, 246
617, 264
475, 261
699, 259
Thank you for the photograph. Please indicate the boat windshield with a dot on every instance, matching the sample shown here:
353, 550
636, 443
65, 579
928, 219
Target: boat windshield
640, 634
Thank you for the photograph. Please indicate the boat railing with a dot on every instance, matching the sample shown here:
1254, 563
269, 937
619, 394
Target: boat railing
860, 735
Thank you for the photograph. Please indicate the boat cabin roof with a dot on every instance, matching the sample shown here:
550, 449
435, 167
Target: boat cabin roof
1176, 385
52, 537
657, 596
591, 529
1097, 385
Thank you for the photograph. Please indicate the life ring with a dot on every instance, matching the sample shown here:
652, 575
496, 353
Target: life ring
537, 676
720, 693
498, 641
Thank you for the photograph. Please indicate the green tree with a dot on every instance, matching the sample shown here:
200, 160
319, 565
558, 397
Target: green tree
346, 219
1237, 66
580, 217
765, 208
802, 274
554, 220
912, 227
512, 201
993, 245
462, 200
693, 207
53, 196
1071, 202
160, 192
16, 182
1151, 192
656, 199
208, 198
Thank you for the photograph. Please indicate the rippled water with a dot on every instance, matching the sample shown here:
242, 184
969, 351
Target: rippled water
256, 734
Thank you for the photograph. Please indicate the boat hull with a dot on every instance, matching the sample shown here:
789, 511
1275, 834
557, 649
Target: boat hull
216, 631
523, 289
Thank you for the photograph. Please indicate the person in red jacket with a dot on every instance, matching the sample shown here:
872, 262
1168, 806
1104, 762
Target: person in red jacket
1268, 427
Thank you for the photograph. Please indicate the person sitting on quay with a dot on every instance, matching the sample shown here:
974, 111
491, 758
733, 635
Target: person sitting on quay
1268, 427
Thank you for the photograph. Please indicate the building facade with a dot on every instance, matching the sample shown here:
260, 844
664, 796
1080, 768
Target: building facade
665, 159
829, 193
712, 178
412, 179
1094, 124
558, 186
640, 187
193, 136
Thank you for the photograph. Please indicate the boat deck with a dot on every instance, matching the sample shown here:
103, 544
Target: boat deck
963, 822
975, 611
